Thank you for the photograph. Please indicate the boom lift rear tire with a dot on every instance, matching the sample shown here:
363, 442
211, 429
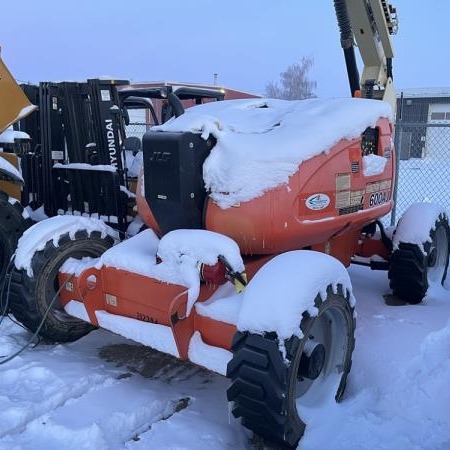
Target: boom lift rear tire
412, 270
12, 226
267, 387
31, 295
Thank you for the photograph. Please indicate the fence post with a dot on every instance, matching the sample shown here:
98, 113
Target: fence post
397, 144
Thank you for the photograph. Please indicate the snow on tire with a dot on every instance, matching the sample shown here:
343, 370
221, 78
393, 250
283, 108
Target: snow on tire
421, 256
268, 386
31, 295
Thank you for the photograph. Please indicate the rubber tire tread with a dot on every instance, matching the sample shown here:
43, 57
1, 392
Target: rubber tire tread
260, 382
12, 226
408, 270
28, 297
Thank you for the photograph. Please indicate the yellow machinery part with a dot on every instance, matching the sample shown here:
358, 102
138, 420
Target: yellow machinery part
12, 189
14, 103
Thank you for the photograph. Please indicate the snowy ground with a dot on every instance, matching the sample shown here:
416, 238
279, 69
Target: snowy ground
104, 392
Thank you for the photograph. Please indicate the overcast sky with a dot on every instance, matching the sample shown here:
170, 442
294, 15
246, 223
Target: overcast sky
246, 42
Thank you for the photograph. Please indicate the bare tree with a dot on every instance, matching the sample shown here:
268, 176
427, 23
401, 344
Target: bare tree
294, 83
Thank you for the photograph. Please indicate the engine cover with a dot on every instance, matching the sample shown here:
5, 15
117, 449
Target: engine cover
173, 174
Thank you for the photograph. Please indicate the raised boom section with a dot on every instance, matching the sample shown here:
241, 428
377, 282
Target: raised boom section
369, 24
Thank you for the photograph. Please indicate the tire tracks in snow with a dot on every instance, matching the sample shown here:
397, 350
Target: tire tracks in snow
22, 386
104, 418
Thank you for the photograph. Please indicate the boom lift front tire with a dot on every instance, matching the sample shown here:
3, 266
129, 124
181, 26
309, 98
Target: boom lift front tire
31, 295
268, 388
412, 270
12, 226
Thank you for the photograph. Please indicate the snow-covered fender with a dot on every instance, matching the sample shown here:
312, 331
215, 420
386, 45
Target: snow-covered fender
416, 223
37, 236
287, 286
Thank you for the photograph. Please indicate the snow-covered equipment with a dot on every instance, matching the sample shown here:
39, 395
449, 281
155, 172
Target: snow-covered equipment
254, 208
72, 155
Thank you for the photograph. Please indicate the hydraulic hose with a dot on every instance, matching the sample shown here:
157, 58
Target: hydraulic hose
346, 32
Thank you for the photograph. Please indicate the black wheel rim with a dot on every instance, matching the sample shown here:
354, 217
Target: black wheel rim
331, 330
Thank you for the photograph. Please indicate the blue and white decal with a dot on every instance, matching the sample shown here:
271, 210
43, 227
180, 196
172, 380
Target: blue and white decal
317, 201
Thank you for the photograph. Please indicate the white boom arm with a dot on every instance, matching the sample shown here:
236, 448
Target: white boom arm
369, 23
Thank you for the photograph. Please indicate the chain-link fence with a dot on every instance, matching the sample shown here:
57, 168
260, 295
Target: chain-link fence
137, 129
422, 140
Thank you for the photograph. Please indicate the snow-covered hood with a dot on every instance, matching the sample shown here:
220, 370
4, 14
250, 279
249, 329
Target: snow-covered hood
261, 142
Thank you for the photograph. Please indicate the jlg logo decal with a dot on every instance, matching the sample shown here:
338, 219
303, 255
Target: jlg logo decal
160, 157
378, 198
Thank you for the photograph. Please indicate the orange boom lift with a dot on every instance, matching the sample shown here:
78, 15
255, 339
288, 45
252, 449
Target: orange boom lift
285, 338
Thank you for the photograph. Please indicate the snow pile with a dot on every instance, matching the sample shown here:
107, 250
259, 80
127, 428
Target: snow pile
213, 358
287, 286
261, 142
429, 373
224, 305
159, 337
35, 238
416, 223
76, 266
373, 165
181, 252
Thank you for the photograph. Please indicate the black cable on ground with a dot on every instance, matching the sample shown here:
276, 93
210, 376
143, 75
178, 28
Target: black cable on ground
36, 333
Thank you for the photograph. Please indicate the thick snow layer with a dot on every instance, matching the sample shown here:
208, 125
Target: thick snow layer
76, 266
69, 397
9, 168
35, 238
77, 309
213, 358
261, 142
287, 286
223, 305
9, 135
181, 252
135, 226
416, 223
159, 337
373, 165
137, 254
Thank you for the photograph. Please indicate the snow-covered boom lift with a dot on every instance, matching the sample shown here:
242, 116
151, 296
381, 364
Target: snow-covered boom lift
254, 208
